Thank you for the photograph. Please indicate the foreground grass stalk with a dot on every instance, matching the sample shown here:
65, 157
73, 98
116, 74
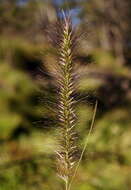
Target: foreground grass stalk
64, 36
66, 155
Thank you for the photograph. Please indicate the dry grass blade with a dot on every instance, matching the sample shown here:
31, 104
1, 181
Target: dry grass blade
85, 146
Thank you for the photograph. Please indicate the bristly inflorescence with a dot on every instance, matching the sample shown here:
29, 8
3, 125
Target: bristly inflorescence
67, 154
63, 36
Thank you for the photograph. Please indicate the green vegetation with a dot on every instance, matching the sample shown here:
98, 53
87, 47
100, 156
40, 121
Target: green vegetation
28, 95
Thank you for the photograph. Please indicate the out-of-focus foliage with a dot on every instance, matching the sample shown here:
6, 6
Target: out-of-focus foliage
28, 94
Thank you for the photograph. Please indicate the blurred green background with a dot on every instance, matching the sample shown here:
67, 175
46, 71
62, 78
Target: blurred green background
28, 94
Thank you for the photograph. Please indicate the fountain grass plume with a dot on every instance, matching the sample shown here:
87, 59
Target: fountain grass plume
67, 153
63, 36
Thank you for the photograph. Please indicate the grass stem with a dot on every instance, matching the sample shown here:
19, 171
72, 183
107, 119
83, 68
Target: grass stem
86, 143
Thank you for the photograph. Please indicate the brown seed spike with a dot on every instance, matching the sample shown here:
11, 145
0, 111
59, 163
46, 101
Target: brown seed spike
63, 37
67, 154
